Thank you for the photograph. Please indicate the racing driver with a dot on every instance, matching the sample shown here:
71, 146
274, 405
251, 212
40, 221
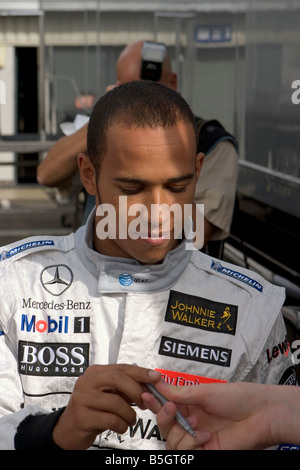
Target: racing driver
77, 311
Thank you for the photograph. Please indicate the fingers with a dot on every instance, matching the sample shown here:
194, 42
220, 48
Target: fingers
187, 395
141, 374
125, 380
165, 414
101, 400
177, 438
90, 412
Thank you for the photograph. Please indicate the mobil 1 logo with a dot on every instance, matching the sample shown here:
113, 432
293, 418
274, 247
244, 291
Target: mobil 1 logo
53, 359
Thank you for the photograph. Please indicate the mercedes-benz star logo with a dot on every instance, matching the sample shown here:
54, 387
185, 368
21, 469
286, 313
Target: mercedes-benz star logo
56, 279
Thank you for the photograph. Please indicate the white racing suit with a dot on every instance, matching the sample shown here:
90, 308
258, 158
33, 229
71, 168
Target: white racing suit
64, 306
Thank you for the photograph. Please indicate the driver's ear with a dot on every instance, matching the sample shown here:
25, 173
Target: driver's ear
199, 163
87, 174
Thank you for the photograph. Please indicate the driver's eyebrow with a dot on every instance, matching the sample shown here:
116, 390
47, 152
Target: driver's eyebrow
126, 179
176, 179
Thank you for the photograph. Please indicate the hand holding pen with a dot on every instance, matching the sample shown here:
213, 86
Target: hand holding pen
165, 400
162, 400
179, 418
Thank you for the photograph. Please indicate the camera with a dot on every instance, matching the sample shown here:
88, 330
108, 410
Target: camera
153, 54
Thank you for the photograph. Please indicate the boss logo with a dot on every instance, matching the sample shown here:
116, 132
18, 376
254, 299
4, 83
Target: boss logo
53, 359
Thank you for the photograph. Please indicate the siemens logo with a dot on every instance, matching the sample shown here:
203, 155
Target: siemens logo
195, 352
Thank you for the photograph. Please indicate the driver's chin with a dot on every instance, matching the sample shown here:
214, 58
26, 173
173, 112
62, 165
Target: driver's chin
151, 254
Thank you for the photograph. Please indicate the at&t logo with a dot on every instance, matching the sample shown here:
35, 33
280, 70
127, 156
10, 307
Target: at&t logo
125, 279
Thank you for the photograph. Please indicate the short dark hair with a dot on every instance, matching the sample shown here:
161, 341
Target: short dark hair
139, 104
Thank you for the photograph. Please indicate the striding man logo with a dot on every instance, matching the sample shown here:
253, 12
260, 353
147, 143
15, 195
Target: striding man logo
224, 319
